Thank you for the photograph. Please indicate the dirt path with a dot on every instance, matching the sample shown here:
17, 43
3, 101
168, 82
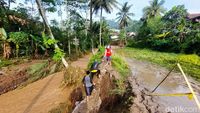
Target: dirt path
145, 76
40, 96
82, 62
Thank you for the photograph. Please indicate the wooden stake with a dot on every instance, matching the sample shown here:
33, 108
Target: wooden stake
190, 87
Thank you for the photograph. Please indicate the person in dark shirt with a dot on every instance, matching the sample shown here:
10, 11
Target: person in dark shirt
94, 69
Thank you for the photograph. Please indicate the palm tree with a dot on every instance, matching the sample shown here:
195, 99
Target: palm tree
124, 15
41, 10
100, 5
123, 18
155, 9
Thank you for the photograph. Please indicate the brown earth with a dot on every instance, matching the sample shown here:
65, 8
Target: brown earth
12, 76
40, 96
102, 99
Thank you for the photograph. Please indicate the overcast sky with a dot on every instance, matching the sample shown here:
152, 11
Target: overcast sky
193, 6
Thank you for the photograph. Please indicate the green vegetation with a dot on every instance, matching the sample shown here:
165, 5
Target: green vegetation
172, 32
24, 34
120, 66
97, 57
37, 67
107, 6
124, 16
4, 63
42, 69
189, 63
117, 62
37, 71
73, 76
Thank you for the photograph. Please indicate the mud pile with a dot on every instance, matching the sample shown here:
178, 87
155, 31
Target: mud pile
10, 82
13, 76
143, 103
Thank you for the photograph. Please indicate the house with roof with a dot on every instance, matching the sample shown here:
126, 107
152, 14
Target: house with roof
194, 17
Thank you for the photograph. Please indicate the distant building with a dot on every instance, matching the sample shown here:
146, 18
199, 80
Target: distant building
114, 34
115, 30
194, 17
131, 34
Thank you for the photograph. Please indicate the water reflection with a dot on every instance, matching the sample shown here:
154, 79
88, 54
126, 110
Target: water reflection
149, 76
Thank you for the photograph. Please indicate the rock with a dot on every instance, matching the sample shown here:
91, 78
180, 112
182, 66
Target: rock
1, 73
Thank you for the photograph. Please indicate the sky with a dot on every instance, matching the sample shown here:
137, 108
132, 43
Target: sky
193, 6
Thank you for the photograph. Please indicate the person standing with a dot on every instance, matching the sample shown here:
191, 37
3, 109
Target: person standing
108, 54
88, 84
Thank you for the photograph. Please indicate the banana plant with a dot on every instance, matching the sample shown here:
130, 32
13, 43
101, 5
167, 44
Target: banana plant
4, 41
18, 38
37, 42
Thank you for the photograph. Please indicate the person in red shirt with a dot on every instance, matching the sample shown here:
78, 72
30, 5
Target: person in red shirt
108, 54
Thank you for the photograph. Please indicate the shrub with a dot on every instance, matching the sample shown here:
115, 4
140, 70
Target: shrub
191, 59
4, 63
97, 57
73, 76
120, 65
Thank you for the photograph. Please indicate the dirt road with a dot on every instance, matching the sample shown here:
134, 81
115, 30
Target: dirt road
40, 96
146, 76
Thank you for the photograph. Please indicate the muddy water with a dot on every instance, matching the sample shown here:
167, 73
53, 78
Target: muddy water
149, 75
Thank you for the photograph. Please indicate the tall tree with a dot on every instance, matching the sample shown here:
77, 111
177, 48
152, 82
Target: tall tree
124, 15
155, 9
91, 2
175, 20
9, 3
41, 10
3, 4
100, 5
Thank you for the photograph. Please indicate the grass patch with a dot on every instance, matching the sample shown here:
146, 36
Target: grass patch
40, 70
189, 63
4, 63
97, 57
37, 67
37, 71
73, 76
120, 65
